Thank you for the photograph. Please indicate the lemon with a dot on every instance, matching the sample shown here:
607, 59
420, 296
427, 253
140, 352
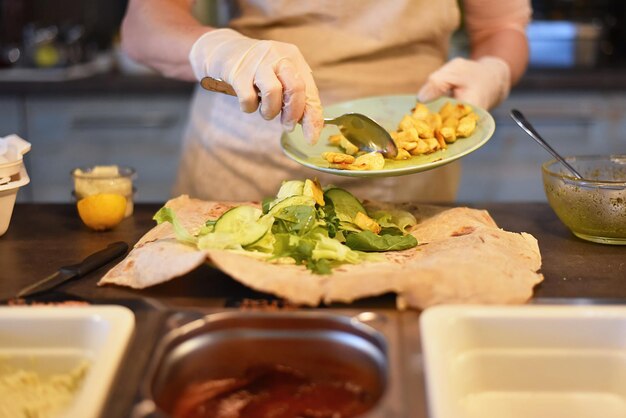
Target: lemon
102, 211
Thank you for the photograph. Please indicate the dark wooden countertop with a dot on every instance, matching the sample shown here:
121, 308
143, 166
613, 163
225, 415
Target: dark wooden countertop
43, 237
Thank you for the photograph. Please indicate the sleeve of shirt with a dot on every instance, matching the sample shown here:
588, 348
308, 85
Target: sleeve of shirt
486, 17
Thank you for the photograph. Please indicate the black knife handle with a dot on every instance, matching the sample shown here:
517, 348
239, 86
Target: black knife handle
98, 259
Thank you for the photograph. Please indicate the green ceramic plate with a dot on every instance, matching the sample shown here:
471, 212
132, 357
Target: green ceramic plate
387, 111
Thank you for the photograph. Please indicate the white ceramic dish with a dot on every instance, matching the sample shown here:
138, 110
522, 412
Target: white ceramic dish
525, 361
8, 194
51, 340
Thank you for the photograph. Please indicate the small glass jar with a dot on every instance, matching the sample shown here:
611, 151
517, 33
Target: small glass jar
105, 179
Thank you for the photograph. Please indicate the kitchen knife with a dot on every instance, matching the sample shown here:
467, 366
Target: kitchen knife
67, 273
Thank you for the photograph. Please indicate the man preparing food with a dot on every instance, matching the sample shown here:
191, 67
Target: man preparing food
298, 54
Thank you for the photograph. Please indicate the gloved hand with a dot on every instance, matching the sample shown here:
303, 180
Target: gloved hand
484, 82
278, 70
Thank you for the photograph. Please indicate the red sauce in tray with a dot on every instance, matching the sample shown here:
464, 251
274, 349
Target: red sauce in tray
272, 391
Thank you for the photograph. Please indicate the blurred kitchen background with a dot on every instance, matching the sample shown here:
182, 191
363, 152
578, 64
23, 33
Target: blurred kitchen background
66, 87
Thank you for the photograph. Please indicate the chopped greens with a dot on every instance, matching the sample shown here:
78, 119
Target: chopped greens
320, 229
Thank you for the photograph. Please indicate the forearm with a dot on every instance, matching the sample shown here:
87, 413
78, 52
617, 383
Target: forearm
497, 28
160, 34
508, 44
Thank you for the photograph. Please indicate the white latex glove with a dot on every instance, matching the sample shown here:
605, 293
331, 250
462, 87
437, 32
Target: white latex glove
278, 70
485, 82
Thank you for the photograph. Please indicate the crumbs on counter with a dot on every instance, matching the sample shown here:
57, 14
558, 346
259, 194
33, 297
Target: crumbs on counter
67, 303
266, 305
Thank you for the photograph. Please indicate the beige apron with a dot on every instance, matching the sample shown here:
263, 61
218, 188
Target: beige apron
356, 48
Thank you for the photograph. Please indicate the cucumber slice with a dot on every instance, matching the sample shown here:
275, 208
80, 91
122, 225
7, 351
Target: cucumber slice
345, 204
244, 223
292, 201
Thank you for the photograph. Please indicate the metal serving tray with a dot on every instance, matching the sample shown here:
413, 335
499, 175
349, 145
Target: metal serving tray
364, 346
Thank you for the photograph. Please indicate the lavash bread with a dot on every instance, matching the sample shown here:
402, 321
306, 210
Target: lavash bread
462, 257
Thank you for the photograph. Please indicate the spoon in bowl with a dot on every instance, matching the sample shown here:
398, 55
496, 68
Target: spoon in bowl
363, 132
519, 118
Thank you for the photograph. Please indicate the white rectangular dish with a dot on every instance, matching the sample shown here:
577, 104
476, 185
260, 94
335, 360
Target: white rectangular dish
53, 340
525, 361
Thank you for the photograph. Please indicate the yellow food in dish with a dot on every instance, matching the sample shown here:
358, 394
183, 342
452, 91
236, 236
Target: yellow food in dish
418, 133
27, 394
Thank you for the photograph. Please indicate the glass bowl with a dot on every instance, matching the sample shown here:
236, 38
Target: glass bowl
105, 179
594, 209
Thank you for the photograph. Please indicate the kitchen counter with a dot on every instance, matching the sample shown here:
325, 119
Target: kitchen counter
114, 83
44, 237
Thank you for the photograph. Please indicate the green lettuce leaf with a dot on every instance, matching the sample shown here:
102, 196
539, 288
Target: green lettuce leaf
322, 266
289, 245
331, 249
368, 241
290, 188
166, 214
298, 219
395, 218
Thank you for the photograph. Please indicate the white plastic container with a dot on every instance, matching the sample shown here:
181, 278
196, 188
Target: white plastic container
525, 361
12, 150
49, 340
8, 194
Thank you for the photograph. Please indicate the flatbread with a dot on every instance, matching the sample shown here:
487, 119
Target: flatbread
462, 257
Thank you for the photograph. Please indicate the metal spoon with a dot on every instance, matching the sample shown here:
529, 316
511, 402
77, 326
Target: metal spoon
519, 118
363, 132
